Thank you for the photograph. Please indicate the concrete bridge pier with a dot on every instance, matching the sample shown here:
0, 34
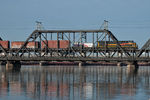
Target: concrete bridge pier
82, 64
13, 65
133, 65
2, 63
120, 64
132, 68
43, 63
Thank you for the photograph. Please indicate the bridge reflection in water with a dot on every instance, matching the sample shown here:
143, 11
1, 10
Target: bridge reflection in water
74, 83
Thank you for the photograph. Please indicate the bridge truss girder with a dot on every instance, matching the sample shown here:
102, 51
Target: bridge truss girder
145, 49
73, 36
92, 36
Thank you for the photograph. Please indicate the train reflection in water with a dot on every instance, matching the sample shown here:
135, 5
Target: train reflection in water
66, 83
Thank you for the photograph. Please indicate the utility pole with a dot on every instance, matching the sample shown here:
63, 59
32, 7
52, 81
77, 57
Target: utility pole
104, 25
39, 25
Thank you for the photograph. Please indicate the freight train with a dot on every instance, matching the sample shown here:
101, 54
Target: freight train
66, 44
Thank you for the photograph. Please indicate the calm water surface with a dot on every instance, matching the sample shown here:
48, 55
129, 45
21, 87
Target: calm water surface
73, 83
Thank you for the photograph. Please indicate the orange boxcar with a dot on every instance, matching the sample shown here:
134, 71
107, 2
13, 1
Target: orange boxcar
49, 43
55, 44
5, 44
18, 44
64, 43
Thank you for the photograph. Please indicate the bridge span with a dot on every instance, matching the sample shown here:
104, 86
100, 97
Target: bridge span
76, 46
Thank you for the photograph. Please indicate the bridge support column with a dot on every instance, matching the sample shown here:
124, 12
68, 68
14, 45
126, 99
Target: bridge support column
2, 62
43, 63
82, 64
119, 64
133, 65
12, 65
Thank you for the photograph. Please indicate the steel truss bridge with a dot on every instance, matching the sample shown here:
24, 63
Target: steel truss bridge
72, 54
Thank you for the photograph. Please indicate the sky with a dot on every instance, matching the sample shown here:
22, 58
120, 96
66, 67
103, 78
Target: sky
128, 19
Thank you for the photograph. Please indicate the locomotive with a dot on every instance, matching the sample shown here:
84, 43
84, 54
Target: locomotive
112, 44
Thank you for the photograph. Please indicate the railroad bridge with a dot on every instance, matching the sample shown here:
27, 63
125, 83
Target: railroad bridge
74, 51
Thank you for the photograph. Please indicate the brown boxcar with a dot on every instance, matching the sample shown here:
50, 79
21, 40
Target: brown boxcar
64, 43
49, 43
18, 44
5, 44
33, 45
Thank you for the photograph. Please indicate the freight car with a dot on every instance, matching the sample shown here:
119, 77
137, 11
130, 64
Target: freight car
5, 44
77, 45
55, 44
112, 44
85, 45
18, 44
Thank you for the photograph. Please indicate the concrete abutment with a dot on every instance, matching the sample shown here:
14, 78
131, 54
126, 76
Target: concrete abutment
133, 65
120, 64
2, 62
43, 63
12, 65
82, 64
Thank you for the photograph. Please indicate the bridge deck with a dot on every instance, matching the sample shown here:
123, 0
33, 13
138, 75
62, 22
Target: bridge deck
73, 59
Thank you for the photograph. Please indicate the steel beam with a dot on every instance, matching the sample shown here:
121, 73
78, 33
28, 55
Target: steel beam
1, 39
145, 46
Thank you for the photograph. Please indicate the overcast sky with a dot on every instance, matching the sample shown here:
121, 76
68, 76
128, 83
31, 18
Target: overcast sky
128, 19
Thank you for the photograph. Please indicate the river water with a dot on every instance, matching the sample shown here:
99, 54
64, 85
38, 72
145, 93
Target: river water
74, 83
